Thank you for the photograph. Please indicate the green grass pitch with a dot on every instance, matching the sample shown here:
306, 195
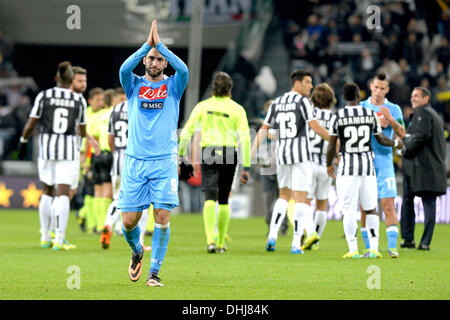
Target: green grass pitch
245, 272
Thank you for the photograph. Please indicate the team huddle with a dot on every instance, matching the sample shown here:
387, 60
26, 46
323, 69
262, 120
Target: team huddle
131, 148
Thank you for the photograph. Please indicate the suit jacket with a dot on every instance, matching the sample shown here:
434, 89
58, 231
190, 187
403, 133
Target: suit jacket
424, 152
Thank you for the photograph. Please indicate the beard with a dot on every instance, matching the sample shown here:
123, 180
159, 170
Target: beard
79, 90
153, 74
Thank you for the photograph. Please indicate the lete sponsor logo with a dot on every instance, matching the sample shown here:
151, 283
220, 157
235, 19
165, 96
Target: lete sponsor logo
148, 93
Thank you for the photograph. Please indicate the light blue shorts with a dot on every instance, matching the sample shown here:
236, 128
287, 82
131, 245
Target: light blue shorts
146, 182
386, 183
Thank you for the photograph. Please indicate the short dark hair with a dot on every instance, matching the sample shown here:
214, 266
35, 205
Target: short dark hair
299, 75
351, 91
425, 92
222, 84
120, 90
79, 70
95, 91
323, 96
383, 76
108, 96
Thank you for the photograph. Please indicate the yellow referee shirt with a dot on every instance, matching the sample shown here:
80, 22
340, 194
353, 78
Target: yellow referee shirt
221, 121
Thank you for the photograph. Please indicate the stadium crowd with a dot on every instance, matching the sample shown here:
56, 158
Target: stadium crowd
15, 101
332, 39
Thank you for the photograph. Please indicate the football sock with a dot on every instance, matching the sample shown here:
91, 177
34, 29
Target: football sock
392, 236
223, 222
365, 237
61, 208
90, 215
104, 205
320, 221
132, 238
290, 211
278, 214
209, 219
350, 230
306, 217
298, 226
160, 240
45, 216
112, 213
373, 226
97, 207
142, 224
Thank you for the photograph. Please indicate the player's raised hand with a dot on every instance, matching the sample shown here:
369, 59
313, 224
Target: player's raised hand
150, 40
154, 31
385, 112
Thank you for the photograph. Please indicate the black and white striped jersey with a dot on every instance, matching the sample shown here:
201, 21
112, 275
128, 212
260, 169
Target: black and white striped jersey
118, 127
60, 111
317, 145
288, 115
354, 126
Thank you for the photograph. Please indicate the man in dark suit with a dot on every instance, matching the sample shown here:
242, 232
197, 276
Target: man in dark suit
424, 167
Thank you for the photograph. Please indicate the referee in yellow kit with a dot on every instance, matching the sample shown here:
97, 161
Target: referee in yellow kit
221, 121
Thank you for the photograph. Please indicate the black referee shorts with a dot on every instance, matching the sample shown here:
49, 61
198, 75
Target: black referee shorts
101, 167
218, 168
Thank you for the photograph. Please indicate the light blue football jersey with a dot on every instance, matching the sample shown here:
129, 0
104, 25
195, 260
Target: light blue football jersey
384, 154
153, 108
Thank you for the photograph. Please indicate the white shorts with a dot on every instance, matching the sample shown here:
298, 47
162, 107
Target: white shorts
54, 172
76, 176
115, 181
321, 181
355, 191
296, 176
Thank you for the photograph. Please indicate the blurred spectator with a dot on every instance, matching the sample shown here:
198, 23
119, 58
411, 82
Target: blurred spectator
400, 91
365, 65
356, 26
409, 73
390, 67
314, 27
388, 26
417, 28
242, 77
441, 98
292, 30
6, 51
8, 131
393, 47
443, 52
425, 73
440, 71
412, 50
298, 45
255, 101
424, 82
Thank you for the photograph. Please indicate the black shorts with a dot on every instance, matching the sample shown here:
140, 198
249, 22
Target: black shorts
217, 173
101, 167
